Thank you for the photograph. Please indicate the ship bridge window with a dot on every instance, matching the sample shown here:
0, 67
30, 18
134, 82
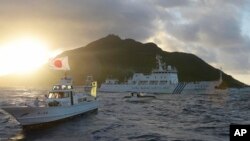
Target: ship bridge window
56, 87
163, 82
66, 87
58, 95
142, 82
153, 82
62, 87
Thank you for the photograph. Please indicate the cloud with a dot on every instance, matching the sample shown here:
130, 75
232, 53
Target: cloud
213, 26
171, 3
212, 29
69, 22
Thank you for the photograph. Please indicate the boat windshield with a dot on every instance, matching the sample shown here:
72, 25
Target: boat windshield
58, 94
62, 87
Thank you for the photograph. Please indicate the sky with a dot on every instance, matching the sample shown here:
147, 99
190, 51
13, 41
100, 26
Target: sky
218, 31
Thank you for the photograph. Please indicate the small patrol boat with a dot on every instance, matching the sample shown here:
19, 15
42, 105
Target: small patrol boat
63, 101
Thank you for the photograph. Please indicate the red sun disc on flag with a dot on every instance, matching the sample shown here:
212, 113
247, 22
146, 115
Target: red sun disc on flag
58, 63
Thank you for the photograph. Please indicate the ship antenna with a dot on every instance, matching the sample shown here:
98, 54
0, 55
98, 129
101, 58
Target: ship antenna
158, 58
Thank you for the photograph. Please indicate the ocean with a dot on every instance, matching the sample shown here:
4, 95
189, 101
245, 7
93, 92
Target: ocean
166, 118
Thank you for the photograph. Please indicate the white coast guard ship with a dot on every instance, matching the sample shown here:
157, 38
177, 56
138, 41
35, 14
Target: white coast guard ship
161, 80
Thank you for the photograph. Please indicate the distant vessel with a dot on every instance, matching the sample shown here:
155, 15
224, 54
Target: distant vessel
161, 80
63, 101
244, 90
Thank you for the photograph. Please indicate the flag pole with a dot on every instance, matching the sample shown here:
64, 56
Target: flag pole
65, 74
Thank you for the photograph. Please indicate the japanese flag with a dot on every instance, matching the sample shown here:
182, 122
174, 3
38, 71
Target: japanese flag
59, 63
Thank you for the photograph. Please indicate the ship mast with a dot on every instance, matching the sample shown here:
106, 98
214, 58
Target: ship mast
160, 65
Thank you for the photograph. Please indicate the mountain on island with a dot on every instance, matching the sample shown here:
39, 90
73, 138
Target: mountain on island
119, 58
114, 57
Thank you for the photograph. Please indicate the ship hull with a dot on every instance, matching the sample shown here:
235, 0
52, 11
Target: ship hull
115, 88
203, 87
38, 115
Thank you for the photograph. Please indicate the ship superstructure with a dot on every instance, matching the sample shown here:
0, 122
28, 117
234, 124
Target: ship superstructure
161, 80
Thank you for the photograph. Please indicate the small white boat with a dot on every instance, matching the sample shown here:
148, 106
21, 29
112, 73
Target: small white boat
138, 97
63, 101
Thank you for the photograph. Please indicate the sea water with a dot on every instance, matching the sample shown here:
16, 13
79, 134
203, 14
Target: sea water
166, 118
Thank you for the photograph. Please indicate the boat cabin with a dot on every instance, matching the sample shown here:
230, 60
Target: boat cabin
64, 95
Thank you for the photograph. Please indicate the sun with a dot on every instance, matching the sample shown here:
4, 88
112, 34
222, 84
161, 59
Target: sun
23, 55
